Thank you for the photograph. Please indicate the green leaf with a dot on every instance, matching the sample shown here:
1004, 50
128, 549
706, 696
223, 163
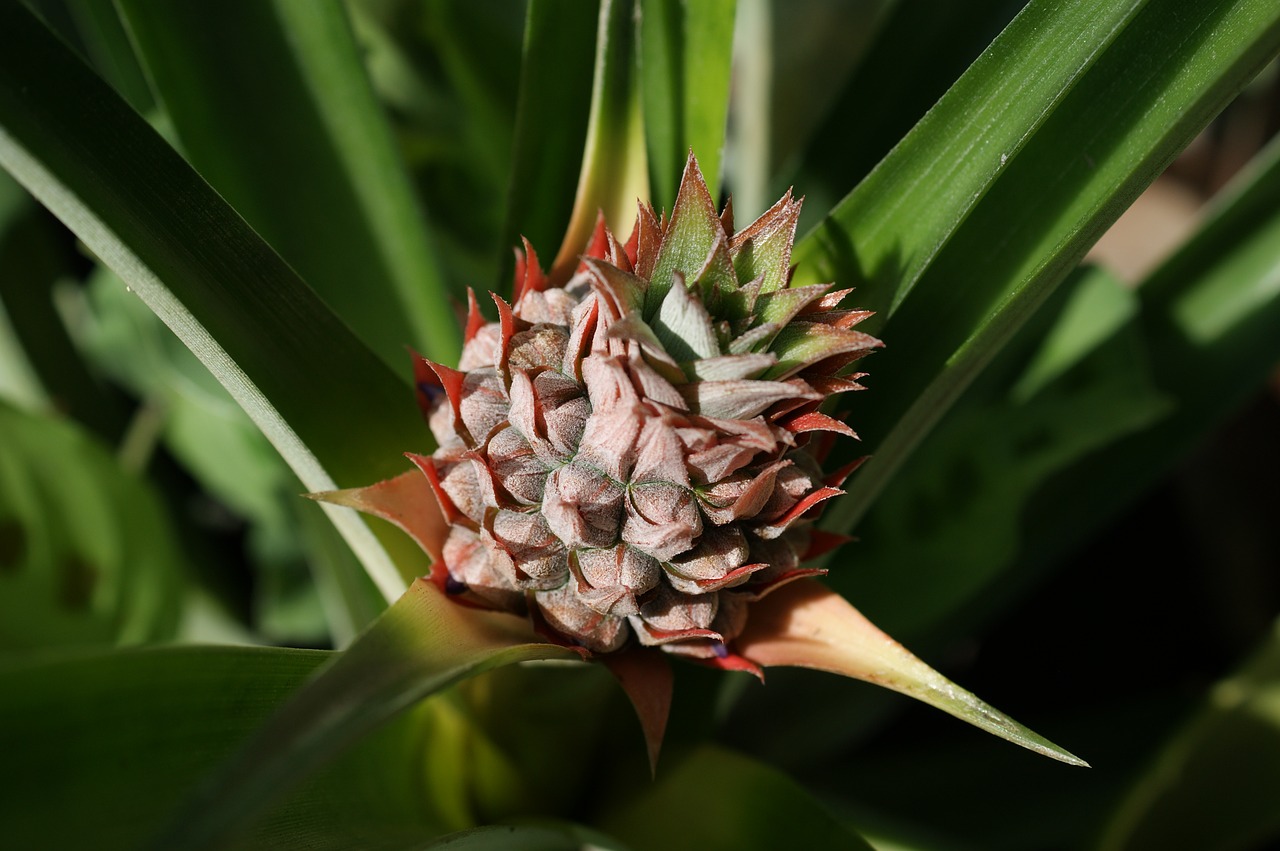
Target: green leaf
525, 838
272, 105
248, 317
949, 527
108, 49
1213, 785
87, 554
421, 645
107, 743
918, 49
1088, 148
685, 52
554, 104
714, 798
614, 175
886, 232
1207, 318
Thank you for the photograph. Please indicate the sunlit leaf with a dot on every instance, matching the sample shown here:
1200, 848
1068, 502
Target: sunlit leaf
235, 303
684, 58
984, 251
614, 175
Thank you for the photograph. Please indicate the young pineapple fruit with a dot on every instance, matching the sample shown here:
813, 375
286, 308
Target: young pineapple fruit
631, 456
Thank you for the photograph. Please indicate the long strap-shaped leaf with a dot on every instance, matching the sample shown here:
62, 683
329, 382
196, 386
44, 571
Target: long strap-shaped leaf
331, 408
272, 104
1174, 66
422, 644
685, 52
614, 172
551, 115
1210, 317
887, 231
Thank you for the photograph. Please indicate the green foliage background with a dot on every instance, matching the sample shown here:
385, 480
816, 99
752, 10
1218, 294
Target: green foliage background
1070, 506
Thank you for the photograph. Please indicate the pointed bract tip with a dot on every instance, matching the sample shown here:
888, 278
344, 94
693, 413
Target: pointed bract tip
407, 501
646, 678
807, 625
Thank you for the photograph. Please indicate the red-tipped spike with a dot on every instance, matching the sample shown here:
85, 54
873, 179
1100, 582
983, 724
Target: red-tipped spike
451, 380
617, 254
667, 636
517, 281
447, 508
836, 478
731, 662
760, 592
648, 237
827, 302
507, 323
534, 279
813, 499
599, 245
816, 421
729, 578
475, 319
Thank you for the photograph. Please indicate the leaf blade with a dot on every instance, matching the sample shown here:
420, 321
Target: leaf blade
419, 646
278, 350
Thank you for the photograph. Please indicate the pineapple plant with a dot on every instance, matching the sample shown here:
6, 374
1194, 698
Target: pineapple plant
629, 464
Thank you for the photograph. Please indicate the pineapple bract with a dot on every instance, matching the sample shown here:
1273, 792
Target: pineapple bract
633, 455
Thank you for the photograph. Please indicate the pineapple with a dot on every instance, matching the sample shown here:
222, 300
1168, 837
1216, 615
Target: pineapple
633, 457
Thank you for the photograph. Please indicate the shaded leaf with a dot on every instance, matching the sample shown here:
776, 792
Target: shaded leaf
107, 743
1213, 785
87, 554
713, 798
421, 645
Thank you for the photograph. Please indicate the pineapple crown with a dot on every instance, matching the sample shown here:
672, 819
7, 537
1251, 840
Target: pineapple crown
633, 455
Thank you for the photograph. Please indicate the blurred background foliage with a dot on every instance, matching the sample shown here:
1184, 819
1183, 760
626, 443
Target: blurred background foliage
1087, 537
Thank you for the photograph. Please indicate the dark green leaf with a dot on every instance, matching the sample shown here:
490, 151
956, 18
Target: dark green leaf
1208, 320
106, 744
921, 47
272, 105
87, 555
525, 838
713, 798
555, 96
419, 646
954, 512
1213, 785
